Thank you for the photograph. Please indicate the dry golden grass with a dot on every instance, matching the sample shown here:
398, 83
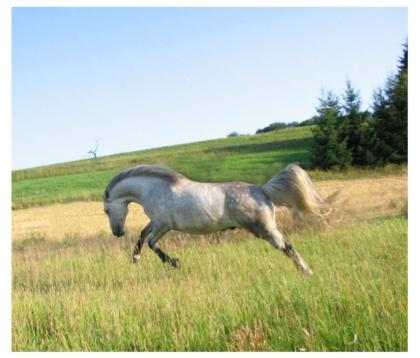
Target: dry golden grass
367, 198
58, 220
358, 199
249, 339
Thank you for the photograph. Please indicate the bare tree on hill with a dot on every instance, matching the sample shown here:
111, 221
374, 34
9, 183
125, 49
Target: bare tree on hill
93, 151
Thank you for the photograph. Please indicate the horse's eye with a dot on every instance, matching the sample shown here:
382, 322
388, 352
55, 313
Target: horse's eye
106, 211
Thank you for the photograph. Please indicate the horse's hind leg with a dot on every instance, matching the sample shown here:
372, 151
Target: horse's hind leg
144, 233
276, 239
154, 238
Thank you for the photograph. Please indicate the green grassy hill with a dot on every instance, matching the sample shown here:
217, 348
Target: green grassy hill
280, 146
253, 159
247, 158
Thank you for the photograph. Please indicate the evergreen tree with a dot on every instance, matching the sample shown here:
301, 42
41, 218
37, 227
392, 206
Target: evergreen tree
399, 108
353, 125
328, 150
403, 60
368, 156
390, 116
381, 118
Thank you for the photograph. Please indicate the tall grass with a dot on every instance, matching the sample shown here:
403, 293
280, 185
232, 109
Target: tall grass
239, 295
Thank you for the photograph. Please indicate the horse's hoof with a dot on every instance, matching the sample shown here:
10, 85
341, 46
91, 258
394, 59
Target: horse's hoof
136, 258
174, 262
307, 271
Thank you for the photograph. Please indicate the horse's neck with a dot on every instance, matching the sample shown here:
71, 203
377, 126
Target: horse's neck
128, 190
139, 188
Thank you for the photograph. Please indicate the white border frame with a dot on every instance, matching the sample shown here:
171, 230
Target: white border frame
5, 138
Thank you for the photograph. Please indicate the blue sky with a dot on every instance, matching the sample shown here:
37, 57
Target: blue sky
137, 78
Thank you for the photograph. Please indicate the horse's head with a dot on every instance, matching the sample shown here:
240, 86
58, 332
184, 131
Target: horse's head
116, 211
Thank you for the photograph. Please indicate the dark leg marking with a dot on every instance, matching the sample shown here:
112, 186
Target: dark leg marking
276, 239
137, 249
163, 256
288, 249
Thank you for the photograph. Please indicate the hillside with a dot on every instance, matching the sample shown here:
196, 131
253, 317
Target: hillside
253, 159
74, 283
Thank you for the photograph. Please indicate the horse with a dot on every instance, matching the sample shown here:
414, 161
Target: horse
174, 202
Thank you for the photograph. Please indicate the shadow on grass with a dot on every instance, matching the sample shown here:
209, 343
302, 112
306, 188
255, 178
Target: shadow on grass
292, 144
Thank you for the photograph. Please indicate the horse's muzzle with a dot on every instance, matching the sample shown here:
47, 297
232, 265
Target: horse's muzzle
119, 232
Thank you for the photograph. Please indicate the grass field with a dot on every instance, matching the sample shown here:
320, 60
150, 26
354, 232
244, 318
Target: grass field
253, 159
75, 288
235, 293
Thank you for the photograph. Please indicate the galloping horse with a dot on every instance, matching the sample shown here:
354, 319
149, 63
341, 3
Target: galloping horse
173, 202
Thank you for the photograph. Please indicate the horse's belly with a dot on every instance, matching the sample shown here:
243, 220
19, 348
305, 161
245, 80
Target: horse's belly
201, 222
201, 226
193, 230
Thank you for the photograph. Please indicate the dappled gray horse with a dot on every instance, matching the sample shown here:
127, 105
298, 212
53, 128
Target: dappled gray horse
173, 202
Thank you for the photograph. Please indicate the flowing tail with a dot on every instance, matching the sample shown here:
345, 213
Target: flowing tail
293, 188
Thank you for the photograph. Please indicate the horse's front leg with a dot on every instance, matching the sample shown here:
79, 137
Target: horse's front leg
144, 233
154, 238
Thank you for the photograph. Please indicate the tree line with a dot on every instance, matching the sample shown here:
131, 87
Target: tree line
345, 135
281, 125
275, 126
